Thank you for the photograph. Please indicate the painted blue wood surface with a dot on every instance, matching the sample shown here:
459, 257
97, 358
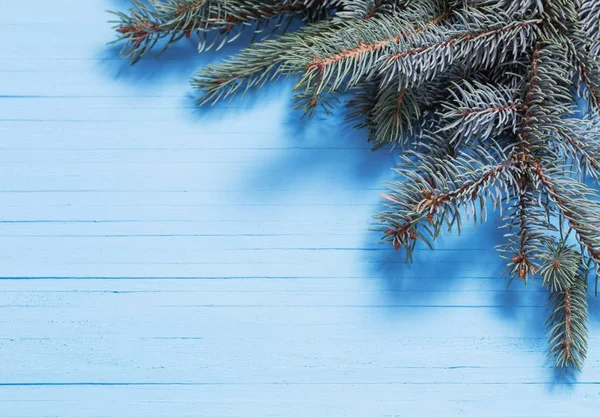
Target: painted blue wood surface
157, 260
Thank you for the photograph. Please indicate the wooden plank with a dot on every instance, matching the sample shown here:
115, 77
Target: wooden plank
494, 400
158, 260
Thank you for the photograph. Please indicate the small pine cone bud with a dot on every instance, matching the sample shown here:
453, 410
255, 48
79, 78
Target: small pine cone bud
396, 244
429, 218
412, 234
390, 232
555, 264
426, 193
516, 259
522, 270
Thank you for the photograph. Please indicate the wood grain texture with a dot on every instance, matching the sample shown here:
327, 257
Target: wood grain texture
163, 261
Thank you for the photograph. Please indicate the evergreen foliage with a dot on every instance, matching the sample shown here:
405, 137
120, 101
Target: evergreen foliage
565, 275
496, 103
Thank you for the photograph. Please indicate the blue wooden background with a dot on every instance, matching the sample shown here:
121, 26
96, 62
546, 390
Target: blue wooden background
157, 260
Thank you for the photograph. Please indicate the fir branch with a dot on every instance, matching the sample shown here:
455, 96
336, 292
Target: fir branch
546, 101
588, 70
367, 9
172, 20
399, 117
523, 260
320, 64
579, 142
436, 191
394, 115
567, 323
479, 111
352, 51
260, 63
527, 238
585, 67
560, 269
589, 15
254, 66
563, 20
574, 200
528, 215
412, 63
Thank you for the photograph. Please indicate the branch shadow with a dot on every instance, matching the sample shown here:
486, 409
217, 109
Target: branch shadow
469, 263
177, 62
325, 149
453, 259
